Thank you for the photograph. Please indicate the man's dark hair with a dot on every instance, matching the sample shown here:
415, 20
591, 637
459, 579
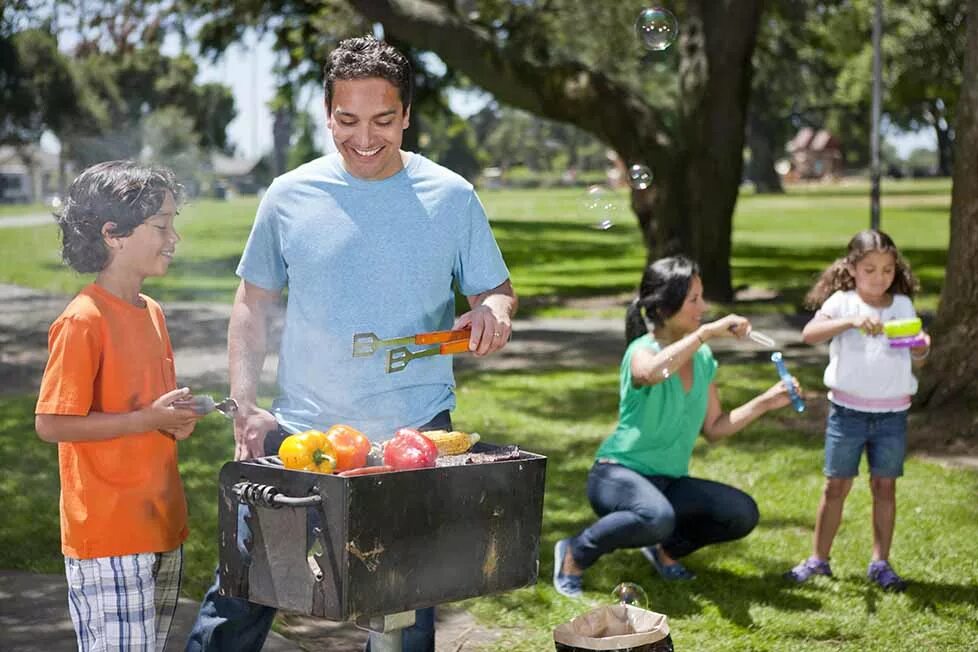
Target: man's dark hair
122, 192
364, 57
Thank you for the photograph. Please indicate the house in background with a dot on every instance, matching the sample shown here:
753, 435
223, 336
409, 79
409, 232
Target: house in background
238, 176
815, 155
28, 174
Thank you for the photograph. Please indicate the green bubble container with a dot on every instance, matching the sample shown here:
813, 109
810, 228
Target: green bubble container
902, 327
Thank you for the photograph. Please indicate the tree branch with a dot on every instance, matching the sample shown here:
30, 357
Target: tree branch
567, 91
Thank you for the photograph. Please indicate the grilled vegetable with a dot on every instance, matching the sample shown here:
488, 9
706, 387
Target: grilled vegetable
365, 470
351, 447
308, 451
452, 443
409, 449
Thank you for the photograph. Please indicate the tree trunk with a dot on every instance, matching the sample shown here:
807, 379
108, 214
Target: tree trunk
949, 377
945, 148
762, 145
697, 167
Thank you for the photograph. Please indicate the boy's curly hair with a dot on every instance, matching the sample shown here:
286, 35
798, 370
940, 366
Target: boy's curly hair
122, 192
837, 276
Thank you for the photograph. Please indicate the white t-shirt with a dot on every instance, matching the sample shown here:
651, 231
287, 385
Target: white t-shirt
864, 372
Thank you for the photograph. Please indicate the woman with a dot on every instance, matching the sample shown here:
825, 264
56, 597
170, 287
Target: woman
639, 485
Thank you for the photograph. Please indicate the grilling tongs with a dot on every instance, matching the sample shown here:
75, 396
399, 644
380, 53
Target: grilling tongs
448, 342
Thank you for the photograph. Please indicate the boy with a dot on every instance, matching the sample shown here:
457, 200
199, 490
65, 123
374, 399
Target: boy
106, 399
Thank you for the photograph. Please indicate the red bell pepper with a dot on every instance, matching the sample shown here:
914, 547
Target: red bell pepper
410, 449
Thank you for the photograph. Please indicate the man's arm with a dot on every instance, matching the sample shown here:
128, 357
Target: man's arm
247, 341
491, 318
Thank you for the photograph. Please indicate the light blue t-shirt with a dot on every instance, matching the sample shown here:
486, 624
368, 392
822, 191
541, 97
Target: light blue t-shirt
367, 256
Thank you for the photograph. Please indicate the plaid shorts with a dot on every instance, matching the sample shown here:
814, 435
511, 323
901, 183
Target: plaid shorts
124, 603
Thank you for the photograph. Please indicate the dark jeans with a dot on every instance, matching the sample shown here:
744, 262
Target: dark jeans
227, 624
683, 514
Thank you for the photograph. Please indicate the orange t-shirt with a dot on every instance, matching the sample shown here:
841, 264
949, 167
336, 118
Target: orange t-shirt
119, 496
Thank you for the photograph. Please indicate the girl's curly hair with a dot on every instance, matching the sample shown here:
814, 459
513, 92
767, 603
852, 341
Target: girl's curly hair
837, 276
122, 192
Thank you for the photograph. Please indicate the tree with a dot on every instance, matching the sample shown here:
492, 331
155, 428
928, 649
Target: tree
534, 58
949, 378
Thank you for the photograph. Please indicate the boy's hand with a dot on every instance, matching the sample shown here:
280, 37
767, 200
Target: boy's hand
867, 323
163, 416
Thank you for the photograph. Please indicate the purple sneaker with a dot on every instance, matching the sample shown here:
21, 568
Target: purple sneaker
883, 574
807, 568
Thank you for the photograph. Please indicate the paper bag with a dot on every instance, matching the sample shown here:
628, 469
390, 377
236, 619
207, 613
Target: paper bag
620, 627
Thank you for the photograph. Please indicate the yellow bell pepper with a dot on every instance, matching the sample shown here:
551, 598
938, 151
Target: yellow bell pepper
308, 451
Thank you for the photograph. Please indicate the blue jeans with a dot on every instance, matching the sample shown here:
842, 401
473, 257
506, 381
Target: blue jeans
882, 434
226, 624
683, 514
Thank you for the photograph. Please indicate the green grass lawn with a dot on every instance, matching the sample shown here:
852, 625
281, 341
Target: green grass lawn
554, 254
738, 602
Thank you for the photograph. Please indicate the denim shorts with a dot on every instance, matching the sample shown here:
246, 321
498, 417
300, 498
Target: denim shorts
882, 434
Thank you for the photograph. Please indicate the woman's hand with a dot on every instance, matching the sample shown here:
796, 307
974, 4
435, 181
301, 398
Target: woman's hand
777, 395
729, 326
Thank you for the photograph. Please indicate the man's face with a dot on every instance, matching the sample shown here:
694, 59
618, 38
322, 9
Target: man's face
368, 122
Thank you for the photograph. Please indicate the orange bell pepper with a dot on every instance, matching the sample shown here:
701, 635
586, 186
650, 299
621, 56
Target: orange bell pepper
308, 451
351, 446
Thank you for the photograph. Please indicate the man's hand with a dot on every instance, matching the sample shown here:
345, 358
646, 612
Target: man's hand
250, 427
490, 331
491, 319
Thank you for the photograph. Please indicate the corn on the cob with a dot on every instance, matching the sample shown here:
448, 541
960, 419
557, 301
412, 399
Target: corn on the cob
452, 443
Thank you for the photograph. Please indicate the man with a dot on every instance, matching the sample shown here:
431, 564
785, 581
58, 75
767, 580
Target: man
369, 238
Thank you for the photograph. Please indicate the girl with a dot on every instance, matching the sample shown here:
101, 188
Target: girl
870, 386
640, 485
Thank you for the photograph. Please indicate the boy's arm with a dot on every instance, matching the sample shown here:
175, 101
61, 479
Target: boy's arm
247, 343
97, 426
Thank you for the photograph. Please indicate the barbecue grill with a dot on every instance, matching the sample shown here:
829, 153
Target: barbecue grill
367, 547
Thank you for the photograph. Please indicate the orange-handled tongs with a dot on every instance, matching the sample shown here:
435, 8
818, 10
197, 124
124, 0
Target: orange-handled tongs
448, 342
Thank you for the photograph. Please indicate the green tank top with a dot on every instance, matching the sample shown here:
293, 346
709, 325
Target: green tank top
658, 424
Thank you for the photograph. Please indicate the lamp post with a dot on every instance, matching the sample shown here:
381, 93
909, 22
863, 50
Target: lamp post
874, 139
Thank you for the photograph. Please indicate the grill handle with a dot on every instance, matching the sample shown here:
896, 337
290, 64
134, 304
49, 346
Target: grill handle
264, 495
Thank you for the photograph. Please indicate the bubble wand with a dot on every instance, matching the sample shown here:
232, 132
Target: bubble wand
788, 381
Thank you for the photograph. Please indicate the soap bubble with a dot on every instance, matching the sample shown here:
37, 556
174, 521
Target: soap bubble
630, 593
639, 176
657, 28
600, 207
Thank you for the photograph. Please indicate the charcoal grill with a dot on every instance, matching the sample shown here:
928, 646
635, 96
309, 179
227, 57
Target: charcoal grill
366, 547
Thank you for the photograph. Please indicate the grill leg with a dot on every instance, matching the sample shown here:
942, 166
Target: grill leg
387, 642
385, 631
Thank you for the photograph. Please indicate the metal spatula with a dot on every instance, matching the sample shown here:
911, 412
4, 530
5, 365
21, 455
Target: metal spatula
366, 344
398, 358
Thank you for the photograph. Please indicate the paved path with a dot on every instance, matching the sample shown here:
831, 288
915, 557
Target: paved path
34, 219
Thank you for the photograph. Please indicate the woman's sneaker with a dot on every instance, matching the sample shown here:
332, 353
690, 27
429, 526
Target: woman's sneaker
571, 586
883, 574
811, 566
675, 571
